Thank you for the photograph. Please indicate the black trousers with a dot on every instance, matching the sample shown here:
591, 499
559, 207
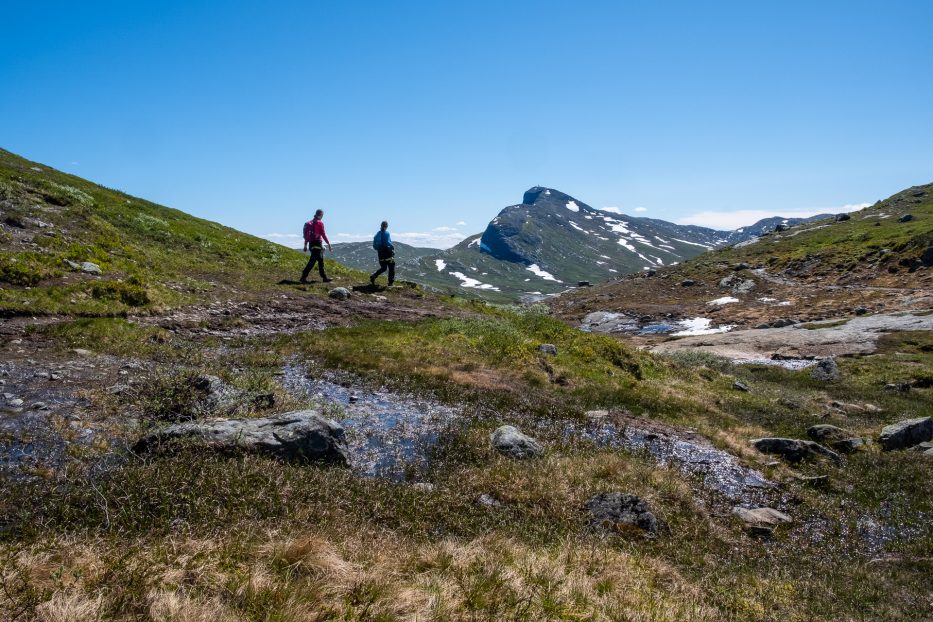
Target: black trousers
385, 264
317, 256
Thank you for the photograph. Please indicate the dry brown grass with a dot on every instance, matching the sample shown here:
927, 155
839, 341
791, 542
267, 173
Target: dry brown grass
383, 577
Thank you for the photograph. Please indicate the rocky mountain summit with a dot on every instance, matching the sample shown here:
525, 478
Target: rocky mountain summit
552, 241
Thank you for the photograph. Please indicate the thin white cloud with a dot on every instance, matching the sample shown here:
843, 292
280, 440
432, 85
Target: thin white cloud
461, 223
641, 209
728, 221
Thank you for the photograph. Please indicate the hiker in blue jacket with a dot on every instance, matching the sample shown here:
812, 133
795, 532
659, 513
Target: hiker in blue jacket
382, 243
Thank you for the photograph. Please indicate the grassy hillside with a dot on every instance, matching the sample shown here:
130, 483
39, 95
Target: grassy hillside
150, 256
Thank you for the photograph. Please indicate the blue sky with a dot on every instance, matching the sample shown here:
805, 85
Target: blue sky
436, 115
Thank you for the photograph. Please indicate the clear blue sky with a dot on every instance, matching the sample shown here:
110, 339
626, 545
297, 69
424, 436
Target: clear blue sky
436, 113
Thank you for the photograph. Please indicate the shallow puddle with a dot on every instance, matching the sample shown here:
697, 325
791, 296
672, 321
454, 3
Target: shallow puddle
715, 469
388, 434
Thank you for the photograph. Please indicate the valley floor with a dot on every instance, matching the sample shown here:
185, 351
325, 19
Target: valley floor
430, 522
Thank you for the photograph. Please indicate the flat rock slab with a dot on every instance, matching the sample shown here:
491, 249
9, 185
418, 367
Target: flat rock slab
761, 516
907, 433
792, 449
301, 436
857, 336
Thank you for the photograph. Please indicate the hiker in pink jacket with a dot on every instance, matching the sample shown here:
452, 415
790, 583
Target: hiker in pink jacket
314, 239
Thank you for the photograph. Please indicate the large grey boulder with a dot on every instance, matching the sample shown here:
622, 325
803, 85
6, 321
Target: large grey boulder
548, 348
907, 433
617, 511
792, 449
301, 436
509, 441
826, 370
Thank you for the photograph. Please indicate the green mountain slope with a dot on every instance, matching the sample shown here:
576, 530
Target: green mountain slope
149, 256
360, 255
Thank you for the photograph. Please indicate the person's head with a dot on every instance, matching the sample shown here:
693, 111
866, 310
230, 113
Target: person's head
384, 225
319, 214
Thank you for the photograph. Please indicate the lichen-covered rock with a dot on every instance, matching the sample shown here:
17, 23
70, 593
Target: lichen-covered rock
907, 433
548, 348
618, 511
301, 436
510, 441
339, 293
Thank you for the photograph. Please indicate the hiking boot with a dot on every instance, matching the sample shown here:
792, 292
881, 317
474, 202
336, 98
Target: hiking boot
372, 281
327, 280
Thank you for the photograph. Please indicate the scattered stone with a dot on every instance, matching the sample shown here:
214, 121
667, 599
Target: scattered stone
488, 500
897, 387
861, 311
88, 267
922, 447
906, 433
15, 402
782, 323
583, 283
548, 348
354, 398
906, 218
741, 266
301, 436
339, 293
688, 283
509, 441
842, 217
82, 352
761, 521
792, 449
849, 445
423, 486
596, 414
620, 512
738, 385
824, 433
39, 406
826, 370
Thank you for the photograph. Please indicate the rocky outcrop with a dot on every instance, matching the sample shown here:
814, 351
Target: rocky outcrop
793, 450
907, 433
510, 441
548, 348
301, 436
621, 512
